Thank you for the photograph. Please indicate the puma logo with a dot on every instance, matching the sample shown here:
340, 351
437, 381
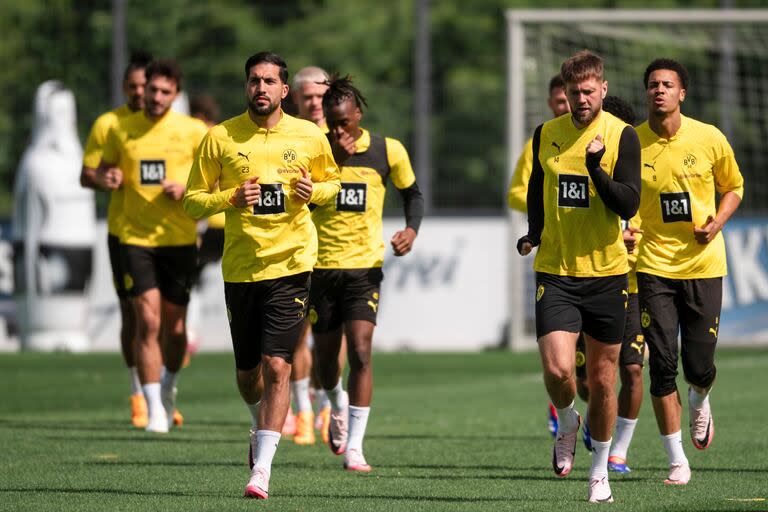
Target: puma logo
244, 155
556, 145
652, 166
713, 331
299, 301
638, 347
374, 306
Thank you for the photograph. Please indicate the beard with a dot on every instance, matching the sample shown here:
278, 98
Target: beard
262, 110
585, 118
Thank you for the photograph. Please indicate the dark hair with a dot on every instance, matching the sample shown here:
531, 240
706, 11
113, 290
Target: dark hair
271, 58
669, 64
340, 89
582, 66
138, 60
620, 109
205, 105
167, 68
556, 82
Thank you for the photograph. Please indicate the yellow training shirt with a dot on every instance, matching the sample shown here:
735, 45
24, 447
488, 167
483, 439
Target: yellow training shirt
517, 197
149, 152
680, 178
92, 154
275, 237
581, 236
349, 230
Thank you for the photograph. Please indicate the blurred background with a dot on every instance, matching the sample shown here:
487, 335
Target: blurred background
437, 75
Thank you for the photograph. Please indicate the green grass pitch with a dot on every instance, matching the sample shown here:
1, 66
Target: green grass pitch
447, 432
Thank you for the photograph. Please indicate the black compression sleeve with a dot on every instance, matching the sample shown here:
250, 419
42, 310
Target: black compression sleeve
413, 204
535, 197
622, 193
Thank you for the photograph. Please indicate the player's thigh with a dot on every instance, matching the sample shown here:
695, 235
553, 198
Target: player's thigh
557, 305
659, 320
360, 296
139, 268
603, 308
285, 307
116, 265
557, 350
176, 272
324, 304
244, 303
633, 344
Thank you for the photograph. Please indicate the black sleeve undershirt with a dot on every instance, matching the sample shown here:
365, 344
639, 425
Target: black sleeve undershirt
413, 205
535, 196
621, 194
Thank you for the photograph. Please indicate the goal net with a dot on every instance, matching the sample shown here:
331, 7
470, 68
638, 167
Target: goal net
725, 51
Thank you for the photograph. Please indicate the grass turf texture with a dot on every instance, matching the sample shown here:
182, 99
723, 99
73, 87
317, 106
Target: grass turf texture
447, 432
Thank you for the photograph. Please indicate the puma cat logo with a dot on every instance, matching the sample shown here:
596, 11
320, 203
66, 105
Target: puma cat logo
244, 155
556, 145
302, 302
652, 166
373, 305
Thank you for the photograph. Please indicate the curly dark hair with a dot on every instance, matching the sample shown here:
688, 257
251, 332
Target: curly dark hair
670, 64
340, 89
620, 109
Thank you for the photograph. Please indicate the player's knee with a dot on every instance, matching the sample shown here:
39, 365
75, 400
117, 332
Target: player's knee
277, 369
700, 375
557, 373
662, 385
631, 376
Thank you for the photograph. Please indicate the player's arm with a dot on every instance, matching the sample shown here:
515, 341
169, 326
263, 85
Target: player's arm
518, 188
535, 200
621, 194
202, 198
94, 148
324, 174
729, 184
108, 172
404, 179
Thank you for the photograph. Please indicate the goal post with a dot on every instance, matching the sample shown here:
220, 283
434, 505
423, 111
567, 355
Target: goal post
725, 51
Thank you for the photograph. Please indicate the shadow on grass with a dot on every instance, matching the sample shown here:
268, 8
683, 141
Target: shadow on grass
104, 490
91, 426
142, 437
452, 437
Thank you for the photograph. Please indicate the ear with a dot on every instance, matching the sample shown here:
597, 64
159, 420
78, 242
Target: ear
284, 92
605, 89
682, 95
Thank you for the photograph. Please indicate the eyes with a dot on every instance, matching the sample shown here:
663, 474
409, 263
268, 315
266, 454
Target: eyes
666, 84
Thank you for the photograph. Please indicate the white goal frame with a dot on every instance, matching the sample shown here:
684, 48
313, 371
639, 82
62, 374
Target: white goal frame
517, 19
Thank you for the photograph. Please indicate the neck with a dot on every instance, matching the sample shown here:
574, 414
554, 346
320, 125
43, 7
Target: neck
358, 133
268, 121
155, 118
665, 125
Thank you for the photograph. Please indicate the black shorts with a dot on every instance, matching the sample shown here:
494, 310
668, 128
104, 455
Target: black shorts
595, 305
690, 307
266, 317
115, 261
632, 346
340, 295
171, 269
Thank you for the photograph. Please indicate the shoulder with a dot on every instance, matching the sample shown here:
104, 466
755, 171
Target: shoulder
703, 132
645, 134
302, 126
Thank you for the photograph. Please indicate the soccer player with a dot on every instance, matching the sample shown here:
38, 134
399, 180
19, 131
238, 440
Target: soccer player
269, 167
148, 154
518, 188
681, 256
585, 179
347, 277
134, 81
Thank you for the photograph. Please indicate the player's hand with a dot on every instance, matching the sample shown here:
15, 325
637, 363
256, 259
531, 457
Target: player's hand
708, 231
630, 242
247, 194
172, 190
524, 246
302, 188
110, 178
342, 146
595, 152
402, 241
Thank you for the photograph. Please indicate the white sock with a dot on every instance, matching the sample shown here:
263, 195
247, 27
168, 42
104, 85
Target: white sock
600, 451
358, 420
625, 429
168, 380
567, 419
135, 381
322, 399
300, 390
696, 399
152, 396
266, 446
338, 397
254, 409
673, 444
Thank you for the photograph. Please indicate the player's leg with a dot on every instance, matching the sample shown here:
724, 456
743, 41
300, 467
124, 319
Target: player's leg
659, 321
127, 334
300, 370
325, 316
700, 322
631, 393
323, 418
558, 323
582, 387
